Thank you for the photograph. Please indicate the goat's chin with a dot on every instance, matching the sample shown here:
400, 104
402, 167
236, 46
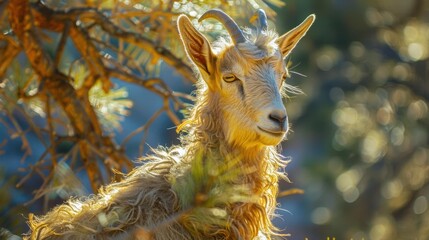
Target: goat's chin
269, 138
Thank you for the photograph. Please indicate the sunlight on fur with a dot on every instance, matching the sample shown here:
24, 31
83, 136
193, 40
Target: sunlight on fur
221, 181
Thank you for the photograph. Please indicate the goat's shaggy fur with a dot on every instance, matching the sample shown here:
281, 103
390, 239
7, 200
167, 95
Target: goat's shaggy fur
145, 199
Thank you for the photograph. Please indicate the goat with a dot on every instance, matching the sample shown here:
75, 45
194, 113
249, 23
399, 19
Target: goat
236, 122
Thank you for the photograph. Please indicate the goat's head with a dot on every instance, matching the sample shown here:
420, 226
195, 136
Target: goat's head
247, 75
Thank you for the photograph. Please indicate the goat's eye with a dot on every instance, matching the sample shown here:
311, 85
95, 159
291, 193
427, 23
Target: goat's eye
284, 76
230, 78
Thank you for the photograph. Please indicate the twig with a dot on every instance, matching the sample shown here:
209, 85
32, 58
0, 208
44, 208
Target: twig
142, 128
21, 133
61, 44
119, 63
146, 127
146, 83
92, 170
170, 113
8, 53
51, 129
18, 108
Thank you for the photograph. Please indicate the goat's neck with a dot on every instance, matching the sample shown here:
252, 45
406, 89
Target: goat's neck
207, 134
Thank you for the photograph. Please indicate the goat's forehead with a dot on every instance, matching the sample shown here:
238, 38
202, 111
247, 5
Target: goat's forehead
234, 60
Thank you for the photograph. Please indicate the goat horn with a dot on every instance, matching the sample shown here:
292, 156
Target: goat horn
259, 19
230, 25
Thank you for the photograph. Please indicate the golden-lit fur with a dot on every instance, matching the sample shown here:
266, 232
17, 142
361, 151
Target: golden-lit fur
223, 125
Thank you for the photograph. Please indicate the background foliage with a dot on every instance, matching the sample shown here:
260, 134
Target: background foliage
360, 142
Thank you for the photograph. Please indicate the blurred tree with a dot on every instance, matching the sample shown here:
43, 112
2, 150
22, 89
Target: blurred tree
60, 65
367, 120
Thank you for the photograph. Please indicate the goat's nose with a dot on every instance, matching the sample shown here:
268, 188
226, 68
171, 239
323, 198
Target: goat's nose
279, 117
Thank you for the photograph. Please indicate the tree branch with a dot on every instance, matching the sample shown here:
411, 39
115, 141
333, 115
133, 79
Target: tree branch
61, 44
8, 53
25, 19
47, 16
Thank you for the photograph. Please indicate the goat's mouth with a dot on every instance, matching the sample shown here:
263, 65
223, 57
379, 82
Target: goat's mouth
276, 133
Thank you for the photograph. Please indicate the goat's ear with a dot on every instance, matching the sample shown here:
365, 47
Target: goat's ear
289, 40
197, 47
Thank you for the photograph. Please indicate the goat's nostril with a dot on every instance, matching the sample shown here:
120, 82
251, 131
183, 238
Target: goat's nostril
278, 117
